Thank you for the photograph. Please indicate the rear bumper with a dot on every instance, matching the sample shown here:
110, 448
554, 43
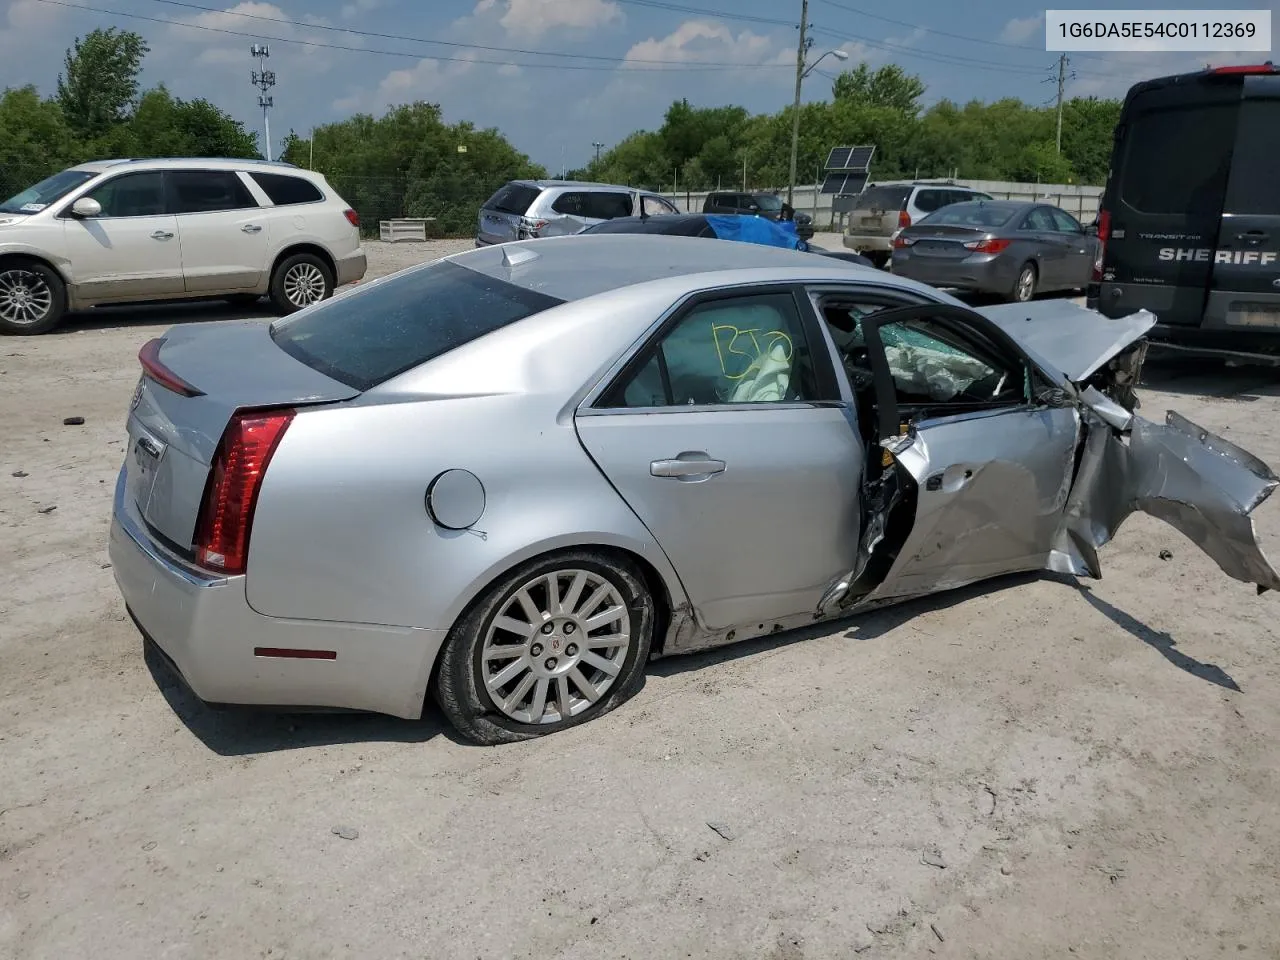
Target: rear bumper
351, 268
206, 629
973, 273
1208, 325
875, 244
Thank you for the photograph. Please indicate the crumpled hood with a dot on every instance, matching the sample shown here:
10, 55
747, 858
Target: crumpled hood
1066, 338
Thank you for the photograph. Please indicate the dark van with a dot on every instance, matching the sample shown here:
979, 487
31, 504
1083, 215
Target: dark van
1190, 218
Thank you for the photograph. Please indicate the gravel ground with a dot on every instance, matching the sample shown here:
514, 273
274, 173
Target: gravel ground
1031, 768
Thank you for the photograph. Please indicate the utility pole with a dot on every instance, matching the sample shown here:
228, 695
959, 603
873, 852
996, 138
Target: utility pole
597, 144
801, 49
1062, 82
264, 80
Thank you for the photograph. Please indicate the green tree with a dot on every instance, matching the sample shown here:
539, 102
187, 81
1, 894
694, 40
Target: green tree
166, 126
890, 86
100, 84
34, 139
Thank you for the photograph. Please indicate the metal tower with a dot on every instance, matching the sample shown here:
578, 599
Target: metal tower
264, 80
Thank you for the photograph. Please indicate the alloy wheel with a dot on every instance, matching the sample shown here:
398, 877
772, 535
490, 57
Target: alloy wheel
304, 284
555, 647
1026, 284
25, 297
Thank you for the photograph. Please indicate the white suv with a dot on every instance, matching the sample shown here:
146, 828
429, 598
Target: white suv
120, 231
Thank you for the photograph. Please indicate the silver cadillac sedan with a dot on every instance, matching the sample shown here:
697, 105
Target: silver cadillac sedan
509, 478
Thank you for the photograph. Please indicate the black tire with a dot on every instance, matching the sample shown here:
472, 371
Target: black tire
1023, 290
459, 684
284, 297
27, 279
878, 259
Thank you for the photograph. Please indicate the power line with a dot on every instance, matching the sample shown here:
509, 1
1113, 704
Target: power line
946, 58
617, 61
444, 43
704, 12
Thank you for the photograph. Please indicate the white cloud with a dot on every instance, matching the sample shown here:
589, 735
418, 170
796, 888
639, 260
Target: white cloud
531, 19
25, 23
704, 41
1020, 30
357, 7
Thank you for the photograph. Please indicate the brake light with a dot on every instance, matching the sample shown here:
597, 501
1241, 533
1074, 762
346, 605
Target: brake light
900, 241
1104, 232
988, 246
222, 538
353, 218
156, 371
1267, 67
904, 219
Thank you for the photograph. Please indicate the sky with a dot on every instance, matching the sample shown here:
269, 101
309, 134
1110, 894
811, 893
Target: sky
558, 76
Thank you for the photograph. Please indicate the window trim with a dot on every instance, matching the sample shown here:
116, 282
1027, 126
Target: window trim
639, 354
97, 183
170, 197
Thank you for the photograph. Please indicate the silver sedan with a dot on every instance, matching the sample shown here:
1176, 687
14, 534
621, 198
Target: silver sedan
510, 478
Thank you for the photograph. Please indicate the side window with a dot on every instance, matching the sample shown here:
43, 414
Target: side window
132, 195
933, 363
207, 191
1065, 222
571, 204
608, 206
1165, 171
951, 196
748, 349
1255, 189
283, 191
652, 206
1038, 219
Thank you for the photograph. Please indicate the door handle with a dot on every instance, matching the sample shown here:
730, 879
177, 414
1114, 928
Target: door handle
162, 235
251, 228
687, 466
1253, 236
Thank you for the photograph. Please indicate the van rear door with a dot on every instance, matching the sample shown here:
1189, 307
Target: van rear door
1244, 292
1169, 175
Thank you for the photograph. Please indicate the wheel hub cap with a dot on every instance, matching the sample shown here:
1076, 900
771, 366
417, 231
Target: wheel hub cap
25, 298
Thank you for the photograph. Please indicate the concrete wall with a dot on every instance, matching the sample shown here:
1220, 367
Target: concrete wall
1080, 201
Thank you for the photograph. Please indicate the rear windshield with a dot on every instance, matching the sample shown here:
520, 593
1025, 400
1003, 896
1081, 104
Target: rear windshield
371, 335
768, 201
514, 198
1176, 159
973, 214
882, 198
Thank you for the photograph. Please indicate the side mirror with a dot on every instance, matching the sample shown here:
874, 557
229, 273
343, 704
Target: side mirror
86, 207
1092, 229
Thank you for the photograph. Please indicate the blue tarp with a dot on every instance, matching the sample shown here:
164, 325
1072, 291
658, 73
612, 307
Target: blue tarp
770, 233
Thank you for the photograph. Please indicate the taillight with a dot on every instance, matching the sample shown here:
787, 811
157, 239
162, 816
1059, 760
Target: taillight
904, 219
1267, 67
988, 246
154, 370
1104, 231
353, 218
222, 537
900, 241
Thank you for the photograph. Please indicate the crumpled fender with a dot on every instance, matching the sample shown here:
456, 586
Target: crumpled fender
1197, 482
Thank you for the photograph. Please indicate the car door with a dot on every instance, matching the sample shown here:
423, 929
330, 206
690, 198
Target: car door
1045, 247
225, 233
960, 409
131, 250
727, 436
1081, 250
1244, 289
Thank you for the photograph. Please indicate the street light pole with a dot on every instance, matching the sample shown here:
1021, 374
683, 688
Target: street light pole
801, 50
597, 145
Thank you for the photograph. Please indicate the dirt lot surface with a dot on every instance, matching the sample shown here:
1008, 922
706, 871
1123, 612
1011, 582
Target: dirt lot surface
1034, 768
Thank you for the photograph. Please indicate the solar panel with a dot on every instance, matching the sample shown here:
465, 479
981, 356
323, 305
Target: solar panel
844, 184
849, 159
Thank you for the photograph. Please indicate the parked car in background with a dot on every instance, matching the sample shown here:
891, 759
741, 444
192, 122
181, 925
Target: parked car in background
881, 210
509, 478
726, 226
121, 231
1011, 248
760, 204
1190, 224
526, 209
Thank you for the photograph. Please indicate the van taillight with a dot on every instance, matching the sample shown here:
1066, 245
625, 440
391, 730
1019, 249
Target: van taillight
1104, 231
353, 218
1267, 67
222, 533
904, 219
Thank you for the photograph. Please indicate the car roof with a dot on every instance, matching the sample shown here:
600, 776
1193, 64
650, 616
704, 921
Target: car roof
587, 185
577, 267
185, 163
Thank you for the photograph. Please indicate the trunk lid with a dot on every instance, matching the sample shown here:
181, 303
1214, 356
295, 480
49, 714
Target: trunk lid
173, 438
943, 241
1066, 338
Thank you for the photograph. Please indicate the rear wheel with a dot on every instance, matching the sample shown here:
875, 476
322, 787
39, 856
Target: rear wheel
33, 298
877, 258
299, 281
1024, 288
557, 642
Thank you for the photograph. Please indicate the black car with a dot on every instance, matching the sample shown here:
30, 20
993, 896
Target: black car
698, 225
768, 205
1190, 218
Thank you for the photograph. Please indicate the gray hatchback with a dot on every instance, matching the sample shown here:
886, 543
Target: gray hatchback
1010, 248
527, 209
